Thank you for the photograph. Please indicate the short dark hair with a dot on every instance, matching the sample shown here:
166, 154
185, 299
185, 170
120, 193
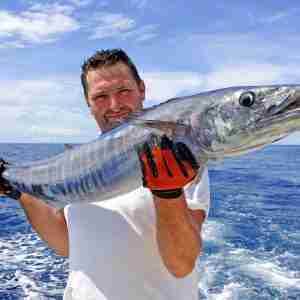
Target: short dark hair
107, 57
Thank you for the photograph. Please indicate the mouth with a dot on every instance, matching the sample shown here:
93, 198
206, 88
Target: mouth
117, 117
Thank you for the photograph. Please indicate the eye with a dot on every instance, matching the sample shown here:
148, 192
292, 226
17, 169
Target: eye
124, 91
98, 98
247, 99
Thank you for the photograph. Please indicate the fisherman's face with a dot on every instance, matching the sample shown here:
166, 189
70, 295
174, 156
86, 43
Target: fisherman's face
113, 94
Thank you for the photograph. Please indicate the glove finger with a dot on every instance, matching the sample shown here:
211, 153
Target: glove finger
4, 184
192, 173
2, 166
146, 158
185, 154
172, 159
149, 161
155, 156
4, 163
139, 150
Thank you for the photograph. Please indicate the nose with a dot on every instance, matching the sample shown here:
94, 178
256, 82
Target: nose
115, 103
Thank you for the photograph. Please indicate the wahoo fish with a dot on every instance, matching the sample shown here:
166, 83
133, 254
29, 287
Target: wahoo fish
214, 125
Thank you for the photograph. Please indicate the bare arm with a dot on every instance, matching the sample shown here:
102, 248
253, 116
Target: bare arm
48, 222
178, 234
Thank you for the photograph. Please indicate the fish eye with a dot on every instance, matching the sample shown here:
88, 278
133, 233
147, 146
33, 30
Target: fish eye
247, 99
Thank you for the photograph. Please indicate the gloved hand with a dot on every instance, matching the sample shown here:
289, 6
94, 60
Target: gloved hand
166, 167
5, 187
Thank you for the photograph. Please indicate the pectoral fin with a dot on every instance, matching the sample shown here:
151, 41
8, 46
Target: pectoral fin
165, 127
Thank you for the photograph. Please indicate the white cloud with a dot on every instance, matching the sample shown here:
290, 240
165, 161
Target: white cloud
112, 25
81, 3
52, 8
143, 33
140, 4
252, 74
221, 49
161, 86
246, 74
13, 44
39, 24
44, 110
68, 124
279, 16
217, 51
165, 85
62, 91
37, 131
42, 123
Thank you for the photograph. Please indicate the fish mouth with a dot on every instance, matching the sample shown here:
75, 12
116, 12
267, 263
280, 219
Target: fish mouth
280, 120
293, 106
290, 105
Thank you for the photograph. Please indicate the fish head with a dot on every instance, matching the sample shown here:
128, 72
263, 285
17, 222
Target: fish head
241, 119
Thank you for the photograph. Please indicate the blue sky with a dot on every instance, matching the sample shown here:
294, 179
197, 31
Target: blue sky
180, 48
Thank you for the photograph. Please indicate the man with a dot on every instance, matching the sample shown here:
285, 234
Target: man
138, 246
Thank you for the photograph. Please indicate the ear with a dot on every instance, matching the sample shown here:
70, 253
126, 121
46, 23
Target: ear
90, 108
142, 89
87, 102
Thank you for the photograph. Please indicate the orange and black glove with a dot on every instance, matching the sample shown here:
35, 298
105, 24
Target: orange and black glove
167, 167
6, 189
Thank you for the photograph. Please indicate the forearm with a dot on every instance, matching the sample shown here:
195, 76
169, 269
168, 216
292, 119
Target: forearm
178, 235
47, 221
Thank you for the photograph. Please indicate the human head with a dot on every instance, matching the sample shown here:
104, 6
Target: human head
106, 58
111, 76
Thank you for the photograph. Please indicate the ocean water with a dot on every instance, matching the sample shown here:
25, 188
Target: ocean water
251, 239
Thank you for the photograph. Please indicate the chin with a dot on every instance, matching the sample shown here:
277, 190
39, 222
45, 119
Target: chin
112, 125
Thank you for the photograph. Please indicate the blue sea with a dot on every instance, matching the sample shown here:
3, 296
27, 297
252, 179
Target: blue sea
251, 239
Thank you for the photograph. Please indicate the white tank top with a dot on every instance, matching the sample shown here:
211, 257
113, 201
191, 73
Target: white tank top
114, 253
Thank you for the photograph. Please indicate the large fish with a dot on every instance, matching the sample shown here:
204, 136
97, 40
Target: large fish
215, 125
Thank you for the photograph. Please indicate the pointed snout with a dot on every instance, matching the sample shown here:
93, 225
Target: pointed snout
286, 101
